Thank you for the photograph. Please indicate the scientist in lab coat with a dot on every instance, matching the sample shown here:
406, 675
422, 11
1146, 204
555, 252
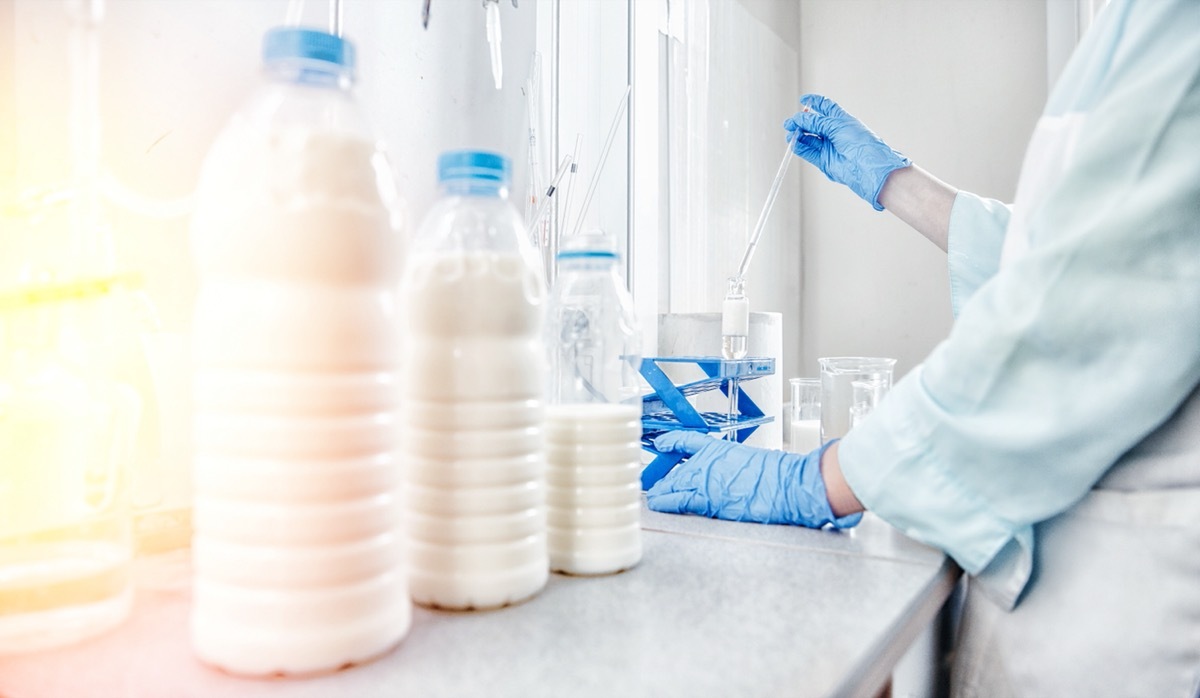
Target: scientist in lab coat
1051, 443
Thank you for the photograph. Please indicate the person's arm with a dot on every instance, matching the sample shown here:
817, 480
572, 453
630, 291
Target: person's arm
1073, 353
920, 200
969, 228
842, 501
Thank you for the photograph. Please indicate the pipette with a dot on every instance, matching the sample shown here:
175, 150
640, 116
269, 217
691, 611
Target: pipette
564, 211
335, 17
766, 210
550, 191
612, 133
493, 36
735, 310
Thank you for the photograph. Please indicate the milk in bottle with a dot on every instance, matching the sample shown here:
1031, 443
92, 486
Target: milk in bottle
473, 298
297, 550
593, 416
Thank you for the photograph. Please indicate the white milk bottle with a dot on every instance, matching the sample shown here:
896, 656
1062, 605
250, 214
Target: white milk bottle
473, 300
297, 546
593, 415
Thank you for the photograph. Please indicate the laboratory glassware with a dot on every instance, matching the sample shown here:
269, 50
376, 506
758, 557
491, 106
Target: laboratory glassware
735, 309
297, 547
865, 395
838, 375
608, 141
67, 428
473, 379
735, 321
593, 413
765, 213
805, 415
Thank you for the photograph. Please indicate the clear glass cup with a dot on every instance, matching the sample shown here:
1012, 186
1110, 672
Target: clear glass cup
805, 415
66, 435
838, 375
68, 425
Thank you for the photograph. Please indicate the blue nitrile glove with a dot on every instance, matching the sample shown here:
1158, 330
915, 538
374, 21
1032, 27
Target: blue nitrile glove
845, 150
727, 480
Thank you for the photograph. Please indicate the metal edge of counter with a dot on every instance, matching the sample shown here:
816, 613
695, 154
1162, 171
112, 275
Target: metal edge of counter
871, 674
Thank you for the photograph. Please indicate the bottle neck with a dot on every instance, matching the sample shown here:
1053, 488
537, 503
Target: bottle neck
474, 187
590, 261
588, 265
306, 72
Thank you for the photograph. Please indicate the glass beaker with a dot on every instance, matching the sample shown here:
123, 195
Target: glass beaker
67, 429
865, 395
805, 415
838, 375
66, 546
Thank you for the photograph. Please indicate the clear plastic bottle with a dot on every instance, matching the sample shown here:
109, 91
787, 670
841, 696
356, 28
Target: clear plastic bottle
297, 548
593, 416
473, 298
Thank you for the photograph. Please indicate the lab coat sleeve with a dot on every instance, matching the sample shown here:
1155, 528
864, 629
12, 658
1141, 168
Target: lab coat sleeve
976, 236
1070, 355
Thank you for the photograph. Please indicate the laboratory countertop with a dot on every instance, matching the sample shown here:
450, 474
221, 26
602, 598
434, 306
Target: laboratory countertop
715, 608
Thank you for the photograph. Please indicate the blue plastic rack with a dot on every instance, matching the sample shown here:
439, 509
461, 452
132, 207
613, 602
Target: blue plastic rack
668, 407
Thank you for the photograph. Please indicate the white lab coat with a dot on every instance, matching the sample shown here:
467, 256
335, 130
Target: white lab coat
1121, 567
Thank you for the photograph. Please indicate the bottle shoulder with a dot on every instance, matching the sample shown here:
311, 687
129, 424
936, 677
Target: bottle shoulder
473, 224
280, 105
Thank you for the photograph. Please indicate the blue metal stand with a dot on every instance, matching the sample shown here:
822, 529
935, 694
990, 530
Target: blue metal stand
668, 407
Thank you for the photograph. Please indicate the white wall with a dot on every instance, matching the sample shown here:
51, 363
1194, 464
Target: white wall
956, 85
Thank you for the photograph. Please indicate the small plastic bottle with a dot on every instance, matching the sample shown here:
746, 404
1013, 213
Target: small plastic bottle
593, 418
297, 548
473, 299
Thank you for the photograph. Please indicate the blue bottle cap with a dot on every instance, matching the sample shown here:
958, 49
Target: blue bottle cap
474, 164
593, 244
283, 43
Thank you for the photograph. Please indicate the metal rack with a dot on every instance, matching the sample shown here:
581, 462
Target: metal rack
669, 407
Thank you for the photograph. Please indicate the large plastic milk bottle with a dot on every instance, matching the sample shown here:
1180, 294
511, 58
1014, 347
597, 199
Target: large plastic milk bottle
297, 548
473, 298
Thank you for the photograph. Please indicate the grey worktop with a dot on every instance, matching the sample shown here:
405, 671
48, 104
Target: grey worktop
714, 609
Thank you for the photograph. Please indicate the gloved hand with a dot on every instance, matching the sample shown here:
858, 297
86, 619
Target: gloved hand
843, 148
727, 480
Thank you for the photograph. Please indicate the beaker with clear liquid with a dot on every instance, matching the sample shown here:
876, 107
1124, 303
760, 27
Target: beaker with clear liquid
805, 415
66, 437
838, 375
